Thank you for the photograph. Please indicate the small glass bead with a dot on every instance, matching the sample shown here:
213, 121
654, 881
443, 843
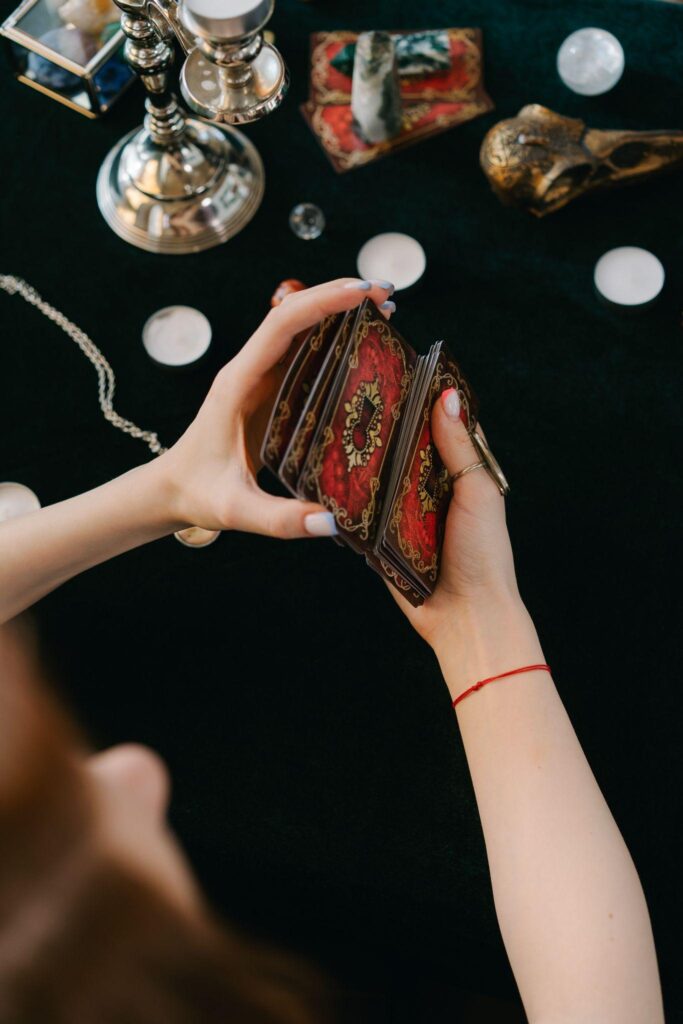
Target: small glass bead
307, 221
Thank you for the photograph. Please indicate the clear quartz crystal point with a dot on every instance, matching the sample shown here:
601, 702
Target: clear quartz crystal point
307, 221
590, 61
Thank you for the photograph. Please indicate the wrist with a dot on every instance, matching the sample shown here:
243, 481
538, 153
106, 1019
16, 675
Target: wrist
162, 496
478, 641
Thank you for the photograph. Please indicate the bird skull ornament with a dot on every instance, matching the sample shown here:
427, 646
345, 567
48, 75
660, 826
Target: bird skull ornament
541, 160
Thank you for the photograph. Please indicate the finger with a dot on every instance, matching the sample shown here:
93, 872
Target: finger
301, 310
287, 518
456, 449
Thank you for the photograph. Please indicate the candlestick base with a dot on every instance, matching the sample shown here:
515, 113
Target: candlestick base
182, 197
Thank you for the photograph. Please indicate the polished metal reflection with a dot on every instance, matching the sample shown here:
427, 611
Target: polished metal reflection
179, 184
541, 160
233, 76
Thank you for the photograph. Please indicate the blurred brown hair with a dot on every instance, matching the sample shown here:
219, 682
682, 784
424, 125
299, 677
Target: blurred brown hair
82, 939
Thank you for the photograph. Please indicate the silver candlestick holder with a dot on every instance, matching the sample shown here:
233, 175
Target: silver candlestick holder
182, 184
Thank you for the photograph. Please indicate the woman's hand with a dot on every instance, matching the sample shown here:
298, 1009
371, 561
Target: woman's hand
477, 578
212, 468
207, 479
570, 907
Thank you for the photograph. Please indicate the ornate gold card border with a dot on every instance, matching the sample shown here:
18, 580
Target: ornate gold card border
342, 515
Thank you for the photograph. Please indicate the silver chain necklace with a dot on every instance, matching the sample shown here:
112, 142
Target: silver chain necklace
106, 381
192, 536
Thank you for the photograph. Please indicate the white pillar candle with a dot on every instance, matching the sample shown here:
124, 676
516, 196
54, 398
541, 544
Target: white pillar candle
590, 61
176, 335
222, 8
16, 500
629, 276
393, 257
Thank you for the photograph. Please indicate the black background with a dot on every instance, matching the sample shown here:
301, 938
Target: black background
320, 784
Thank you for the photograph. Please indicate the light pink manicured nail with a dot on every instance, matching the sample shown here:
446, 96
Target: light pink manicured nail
363, 286
320, 524
451, 404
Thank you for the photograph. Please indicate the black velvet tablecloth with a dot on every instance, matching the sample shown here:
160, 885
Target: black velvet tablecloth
320, 783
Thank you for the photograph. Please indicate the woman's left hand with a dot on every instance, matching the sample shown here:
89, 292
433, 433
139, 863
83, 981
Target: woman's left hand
212, 468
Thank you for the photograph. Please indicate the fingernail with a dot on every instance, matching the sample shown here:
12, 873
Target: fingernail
388, 306
451, 403
386, 286
320, 524
362, 286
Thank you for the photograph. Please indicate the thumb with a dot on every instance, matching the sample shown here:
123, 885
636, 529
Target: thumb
287, 518
455, 447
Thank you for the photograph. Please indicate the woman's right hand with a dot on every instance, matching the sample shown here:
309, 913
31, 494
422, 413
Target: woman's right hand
477, 587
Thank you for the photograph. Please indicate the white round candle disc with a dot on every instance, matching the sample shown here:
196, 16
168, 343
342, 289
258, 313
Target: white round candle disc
629, 276
393, 257
590, 61
176, 335
197, 536
16, 500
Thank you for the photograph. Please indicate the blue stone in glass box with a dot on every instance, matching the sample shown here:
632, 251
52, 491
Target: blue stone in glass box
71, 50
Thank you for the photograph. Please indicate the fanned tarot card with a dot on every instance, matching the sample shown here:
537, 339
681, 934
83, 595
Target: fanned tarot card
303, 432
351, 451
415, 513
351, 429
295, 389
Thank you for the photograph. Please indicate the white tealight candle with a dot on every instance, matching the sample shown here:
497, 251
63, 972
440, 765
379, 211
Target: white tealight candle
176, 335
590, 61
197, 536
629, 276
16, 500
393, 257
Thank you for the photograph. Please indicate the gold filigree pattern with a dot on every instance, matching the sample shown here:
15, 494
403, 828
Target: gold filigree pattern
391, 572
432, 485
343, 518
443, 378
317, 339
363, 424
382, 328
294, 456
319, 66
275, 435
283, 412
411, 553
341, 515
314, 464
349, 159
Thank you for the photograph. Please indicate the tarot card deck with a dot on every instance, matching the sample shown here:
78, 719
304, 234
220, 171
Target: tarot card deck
435, 98
350, 429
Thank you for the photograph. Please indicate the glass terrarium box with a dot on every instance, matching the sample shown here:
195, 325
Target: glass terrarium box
71, 50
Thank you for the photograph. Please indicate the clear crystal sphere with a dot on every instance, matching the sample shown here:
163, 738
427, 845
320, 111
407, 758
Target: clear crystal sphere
307, 221
590, 61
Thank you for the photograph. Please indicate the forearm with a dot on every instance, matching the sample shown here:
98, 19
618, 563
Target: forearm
41, 550
569, 902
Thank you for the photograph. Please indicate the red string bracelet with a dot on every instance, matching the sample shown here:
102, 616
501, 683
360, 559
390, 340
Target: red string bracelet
503, 675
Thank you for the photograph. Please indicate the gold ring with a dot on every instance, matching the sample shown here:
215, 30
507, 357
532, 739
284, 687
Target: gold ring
467, 469
490, 462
